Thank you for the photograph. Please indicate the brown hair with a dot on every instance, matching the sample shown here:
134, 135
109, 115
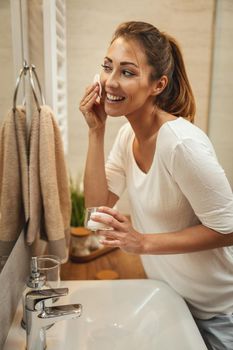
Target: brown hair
164, 55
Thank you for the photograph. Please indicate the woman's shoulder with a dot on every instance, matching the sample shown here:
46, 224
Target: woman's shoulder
184, 138
181, 131
183, 128
126, 128
125, 132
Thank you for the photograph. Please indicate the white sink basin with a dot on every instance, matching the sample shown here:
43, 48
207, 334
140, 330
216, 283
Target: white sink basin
119, 315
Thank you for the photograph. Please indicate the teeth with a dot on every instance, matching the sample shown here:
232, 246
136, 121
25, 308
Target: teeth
114, 98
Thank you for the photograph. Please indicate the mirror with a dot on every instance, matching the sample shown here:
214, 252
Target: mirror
89, 26
204, 30
6, 100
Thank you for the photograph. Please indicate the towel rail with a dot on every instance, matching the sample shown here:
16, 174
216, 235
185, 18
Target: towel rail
32, 71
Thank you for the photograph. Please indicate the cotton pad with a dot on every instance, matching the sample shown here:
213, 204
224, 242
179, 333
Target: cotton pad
97, 80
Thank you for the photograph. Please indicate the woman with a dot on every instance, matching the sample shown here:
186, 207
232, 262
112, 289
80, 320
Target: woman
180, 200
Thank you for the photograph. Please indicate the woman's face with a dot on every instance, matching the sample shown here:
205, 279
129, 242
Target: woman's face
125, 79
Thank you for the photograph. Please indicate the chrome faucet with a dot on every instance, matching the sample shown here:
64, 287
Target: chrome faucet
39, 317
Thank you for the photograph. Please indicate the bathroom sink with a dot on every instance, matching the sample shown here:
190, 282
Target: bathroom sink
119, 315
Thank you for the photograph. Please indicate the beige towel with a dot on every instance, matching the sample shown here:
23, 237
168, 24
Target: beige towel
13, 179
50, 206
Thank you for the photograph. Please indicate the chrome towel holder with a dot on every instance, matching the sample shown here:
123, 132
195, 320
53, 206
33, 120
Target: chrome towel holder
32, 73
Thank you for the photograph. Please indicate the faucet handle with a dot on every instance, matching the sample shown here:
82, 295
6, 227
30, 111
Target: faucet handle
36, 298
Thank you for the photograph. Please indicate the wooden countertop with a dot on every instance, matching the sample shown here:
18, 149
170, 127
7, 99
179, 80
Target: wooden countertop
128, 266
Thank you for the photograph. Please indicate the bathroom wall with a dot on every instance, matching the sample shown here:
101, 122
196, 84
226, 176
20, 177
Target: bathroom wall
6, 59
12, 281
15, 270
221, 102
90, 25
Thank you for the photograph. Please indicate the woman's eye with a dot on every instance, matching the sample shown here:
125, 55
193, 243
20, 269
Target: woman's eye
125, 72
106, 67
128, 73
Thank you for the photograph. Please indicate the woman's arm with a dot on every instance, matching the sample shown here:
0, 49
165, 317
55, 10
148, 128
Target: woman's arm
191, 239
95, 183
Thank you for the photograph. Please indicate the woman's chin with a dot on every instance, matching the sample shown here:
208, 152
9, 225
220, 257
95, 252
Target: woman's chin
113, 113
114, 109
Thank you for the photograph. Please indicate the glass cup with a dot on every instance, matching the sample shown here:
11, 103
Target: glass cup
93, 225
50, 266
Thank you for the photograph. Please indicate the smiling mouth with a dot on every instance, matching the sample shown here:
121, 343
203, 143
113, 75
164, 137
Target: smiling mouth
114, 98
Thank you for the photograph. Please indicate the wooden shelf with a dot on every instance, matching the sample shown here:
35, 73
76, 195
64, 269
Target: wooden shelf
93, 255
128, 266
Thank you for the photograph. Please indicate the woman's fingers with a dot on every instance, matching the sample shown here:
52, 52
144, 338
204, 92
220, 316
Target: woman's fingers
113, 212
107, 220
84, 104
111, 238
89, 89
110, 243
91, 107
122, 234
89, 102
111, 235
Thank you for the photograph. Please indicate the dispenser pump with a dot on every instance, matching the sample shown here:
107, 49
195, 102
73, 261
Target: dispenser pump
36, 279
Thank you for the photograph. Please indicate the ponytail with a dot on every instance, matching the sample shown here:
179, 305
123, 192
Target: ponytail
177, 98
164, 56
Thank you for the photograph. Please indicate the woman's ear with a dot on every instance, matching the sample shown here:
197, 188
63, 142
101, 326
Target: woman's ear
160, 85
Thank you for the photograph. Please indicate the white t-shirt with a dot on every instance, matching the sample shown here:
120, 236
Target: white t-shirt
185, 186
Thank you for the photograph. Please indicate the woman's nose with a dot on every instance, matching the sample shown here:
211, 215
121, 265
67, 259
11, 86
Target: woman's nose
111, 80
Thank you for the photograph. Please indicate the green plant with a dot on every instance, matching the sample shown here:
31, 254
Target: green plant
78, 205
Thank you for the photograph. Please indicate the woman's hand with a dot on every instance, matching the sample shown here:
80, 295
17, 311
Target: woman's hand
123, 234
92, 108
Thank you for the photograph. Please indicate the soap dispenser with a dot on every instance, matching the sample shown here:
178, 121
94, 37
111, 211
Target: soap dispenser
35, 281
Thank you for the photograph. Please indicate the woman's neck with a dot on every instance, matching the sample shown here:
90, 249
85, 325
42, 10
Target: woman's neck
146, 126
147, 123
